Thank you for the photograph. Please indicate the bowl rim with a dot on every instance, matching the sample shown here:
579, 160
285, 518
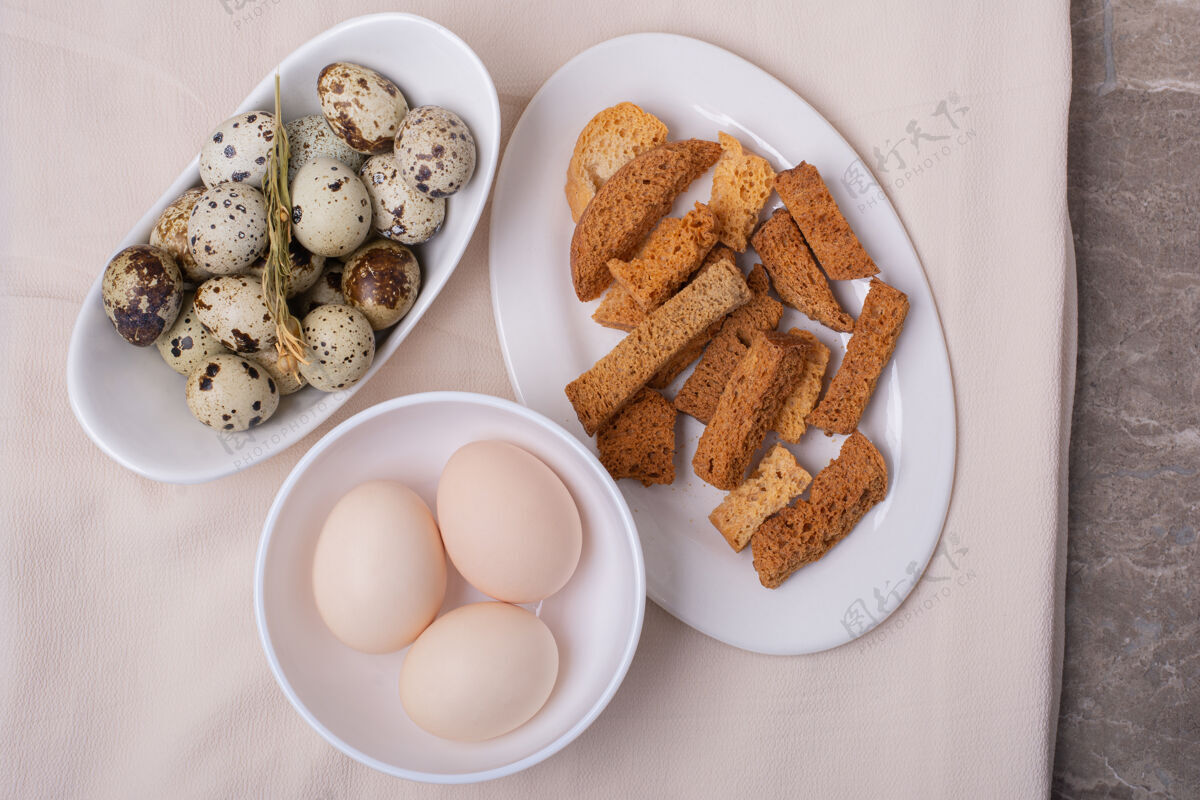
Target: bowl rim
572, 444
192, 474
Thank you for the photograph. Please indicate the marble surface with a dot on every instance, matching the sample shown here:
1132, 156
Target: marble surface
1129, 725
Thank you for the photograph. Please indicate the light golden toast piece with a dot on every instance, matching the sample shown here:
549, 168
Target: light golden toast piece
617, 310
841, 495
600, 392
868, 352
700, 392
741, 185
775, 482
667, 260
747, 408
825, 229
629, 205
639, 442
612, 139
796, 276
803, 399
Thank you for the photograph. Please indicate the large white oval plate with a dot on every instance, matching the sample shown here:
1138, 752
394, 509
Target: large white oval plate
132, 405
548, 338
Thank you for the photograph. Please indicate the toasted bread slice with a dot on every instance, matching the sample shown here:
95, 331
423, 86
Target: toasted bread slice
824, 226
796, 276
741, 185
747, 408
639, 442
667, 261
600, 392
870, 348
775, 481
618, 310
841, 495
628, 205
612, 139
700, 392
803, 399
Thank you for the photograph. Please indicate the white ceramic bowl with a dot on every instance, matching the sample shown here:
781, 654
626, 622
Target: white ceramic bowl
352, 699
132, 404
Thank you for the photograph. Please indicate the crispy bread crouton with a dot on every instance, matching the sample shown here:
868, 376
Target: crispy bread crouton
742, 183
775, 481
825, 229
870, 348
639, 442
600, 392
612, 139
796, 276
841, 495
628, 205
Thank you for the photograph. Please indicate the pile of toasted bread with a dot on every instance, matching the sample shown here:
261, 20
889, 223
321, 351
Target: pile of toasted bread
674, 284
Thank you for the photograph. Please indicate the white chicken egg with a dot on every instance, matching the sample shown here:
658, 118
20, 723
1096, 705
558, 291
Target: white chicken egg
478, 672
331, 210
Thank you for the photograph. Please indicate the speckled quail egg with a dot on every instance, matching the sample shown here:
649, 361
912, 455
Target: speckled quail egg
341, 347
233, 310
331, 210
170, 233
142, 290
228, 228
231, 393
435, 151
382, 279
238, 150
310, 137
287, 382
361, 106
306, 269
399, 212
186, 343
326, 291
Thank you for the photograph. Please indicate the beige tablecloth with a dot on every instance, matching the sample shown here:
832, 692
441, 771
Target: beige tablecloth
129, 661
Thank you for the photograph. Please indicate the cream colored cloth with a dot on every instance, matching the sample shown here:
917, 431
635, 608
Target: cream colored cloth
129, 661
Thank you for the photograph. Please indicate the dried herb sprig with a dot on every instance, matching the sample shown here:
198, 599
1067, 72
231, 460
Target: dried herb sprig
289, 338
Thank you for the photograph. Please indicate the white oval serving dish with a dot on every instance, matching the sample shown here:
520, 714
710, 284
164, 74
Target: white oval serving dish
132, 404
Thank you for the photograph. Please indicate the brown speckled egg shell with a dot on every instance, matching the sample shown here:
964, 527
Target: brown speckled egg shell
186, 343
306, 269
233, 309
231, 393
326, 291
382, 279
142, 290
341, 347
361, 106
170, 233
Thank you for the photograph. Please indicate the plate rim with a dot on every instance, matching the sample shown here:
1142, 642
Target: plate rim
198, 475
614, 495
949, 446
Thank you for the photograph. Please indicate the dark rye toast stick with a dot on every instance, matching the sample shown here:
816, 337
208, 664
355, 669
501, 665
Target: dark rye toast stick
631, 203
841, 495
825, 228
870, 348
600, 392
797, 278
